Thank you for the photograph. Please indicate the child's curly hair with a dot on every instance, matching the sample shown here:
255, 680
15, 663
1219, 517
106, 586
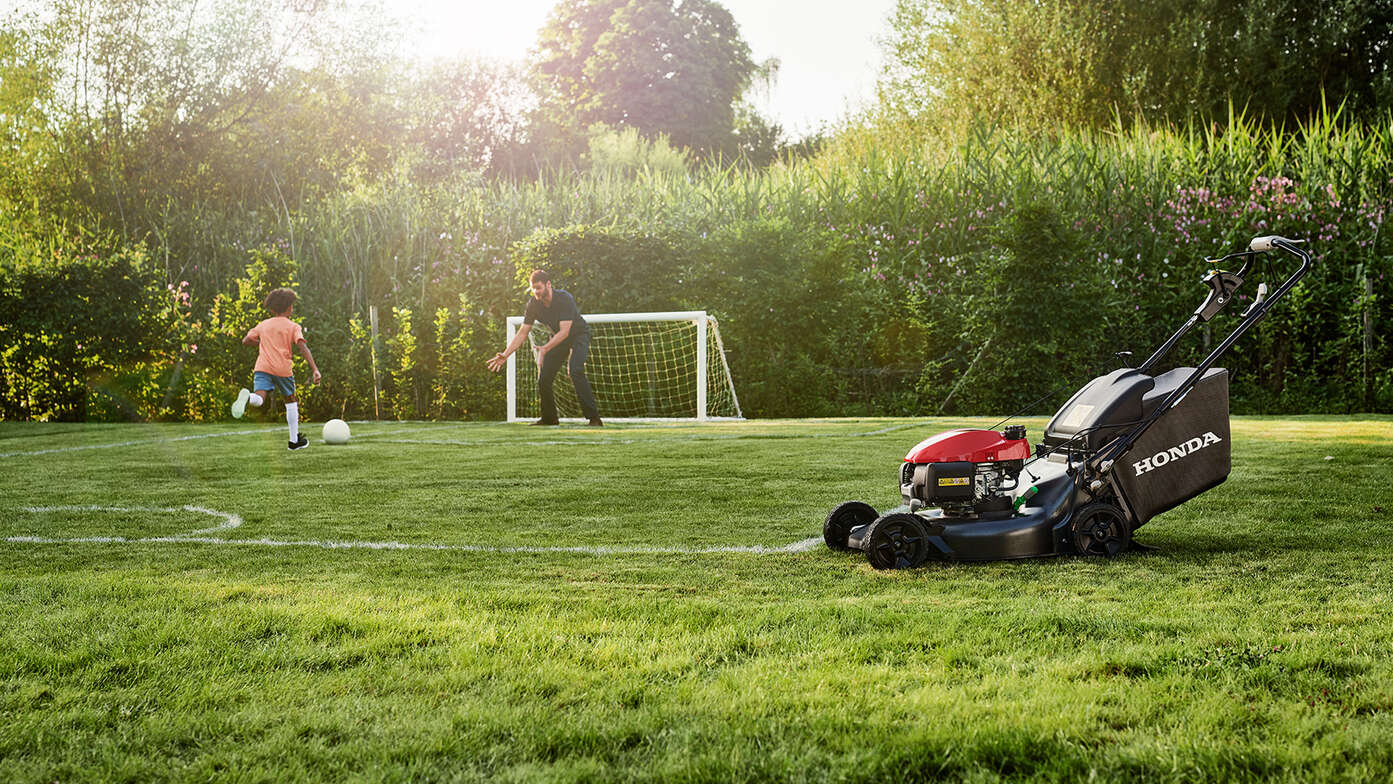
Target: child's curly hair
280, 300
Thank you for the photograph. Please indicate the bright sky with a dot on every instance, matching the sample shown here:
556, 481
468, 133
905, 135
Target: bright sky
827, 48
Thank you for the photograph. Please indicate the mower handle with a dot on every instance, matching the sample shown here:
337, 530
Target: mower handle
1225, 283
1254, 313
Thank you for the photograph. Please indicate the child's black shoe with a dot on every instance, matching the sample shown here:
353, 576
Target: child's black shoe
301, 444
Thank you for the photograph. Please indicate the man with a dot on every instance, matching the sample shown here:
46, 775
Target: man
570, 337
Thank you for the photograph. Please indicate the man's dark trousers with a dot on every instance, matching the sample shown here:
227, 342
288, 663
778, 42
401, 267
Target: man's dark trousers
576, 347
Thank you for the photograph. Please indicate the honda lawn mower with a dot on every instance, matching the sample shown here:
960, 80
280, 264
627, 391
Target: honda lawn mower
1123, 449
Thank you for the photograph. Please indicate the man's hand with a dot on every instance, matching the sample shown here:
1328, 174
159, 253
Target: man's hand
541, 354
497, 361
317, 376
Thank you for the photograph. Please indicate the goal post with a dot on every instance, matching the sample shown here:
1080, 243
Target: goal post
641, 366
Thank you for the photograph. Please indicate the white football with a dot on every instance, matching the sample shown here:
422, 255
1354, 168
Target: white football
336, 432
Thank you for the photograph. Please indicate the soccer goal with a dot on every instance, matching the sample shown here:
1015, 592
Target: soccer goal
642, 366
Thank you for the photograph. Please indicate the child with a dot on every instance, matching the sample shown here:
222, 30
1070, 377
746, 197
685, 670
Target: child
274, 370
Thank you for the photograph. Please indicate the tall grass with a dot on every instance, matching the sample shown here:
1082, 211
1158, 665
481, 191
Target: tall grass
924, 229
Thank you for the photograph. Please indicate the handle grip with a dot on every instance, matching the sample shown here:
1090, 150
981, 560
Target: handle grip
1262, 244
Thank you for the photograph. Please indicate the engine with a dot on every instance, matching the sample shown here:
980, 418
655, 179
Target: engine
966, 473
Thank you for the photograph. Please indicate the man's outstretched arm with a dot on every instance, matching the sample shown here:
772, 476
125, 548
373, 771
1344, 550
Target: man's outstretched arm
497, 360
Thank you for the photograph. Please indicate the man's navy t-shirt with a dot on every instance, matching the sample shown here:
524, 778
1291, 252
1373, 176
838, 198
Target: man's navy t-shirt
562, 308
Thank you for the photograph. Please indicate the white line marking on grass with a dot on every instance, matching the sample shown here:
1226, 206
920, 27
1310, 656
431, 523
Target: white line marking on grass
231, 521
507, 442
138, 443
581, 440
417, 428
473, 442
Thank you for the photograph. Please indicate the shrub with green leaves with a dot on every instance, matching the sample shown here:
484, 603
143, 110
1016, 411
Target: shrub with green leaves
71, 324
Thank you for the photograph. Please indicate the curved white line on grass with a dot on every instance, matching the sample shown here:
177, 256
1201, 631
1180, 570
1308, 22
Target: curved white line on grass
232, 521
229, 520
141, 442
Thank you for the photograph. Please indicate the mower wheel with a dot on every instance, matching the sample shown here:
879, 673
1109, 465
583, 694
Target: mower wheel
841, 520
1101, 530
897, 541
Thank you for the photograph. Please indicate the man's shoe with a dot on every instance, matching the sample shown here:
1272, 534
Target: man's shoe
241, 405
545, 423
595, 422
301, 444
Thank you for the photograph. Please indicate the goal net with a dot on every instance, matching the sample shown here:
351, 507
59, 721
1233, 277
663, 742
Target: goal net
642, 366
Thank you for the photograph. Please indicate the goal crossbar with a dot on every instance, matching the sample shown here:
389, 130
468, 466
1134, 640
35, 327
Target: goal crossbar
669, 373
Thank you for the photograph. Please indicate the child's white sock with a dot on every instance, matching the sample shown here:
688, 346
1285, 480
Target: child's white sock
256, 399
292, 417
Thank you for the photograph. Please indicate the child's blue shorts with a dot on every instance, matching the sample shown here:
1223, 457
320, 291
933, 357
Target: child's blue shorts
282, 384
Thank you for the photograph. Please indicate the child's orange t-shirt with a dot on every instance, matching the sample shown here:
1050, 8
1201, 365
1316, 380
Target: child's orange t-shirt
278, 336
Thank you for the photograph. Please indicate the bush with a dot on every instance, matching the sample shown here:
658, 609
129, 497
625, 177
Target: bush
80, 317
607, 270
794, 317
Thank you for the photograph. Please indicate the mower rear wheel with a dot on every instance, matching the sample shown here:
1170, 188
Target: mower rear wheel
897, 541
841, 520
1101, 530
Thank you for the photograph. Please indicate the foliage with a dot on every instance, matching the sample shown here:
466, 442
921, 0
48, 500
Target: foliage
468, 116
173, 98
606, 269
625, 152
27, 83
910, 268
791, 310
69, 324
1070, 63
907, 275
1007, 332
663, 67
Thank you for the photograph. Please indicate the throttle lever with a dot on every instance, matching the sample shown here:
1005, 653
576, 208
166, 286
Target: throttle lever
1261, 295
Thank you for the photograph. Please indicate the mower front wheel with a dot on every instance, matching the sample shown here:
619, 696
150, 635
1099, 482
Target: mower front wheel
897, 541
841, 520
1101, 530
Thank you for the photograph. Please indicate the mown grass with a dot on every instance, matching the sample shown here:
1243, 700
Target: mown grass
1252, 645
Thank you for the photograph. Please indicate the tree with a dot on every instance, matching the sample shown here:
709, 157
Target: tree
669, 67
1045, 63
469, 115
27, 151
228, 102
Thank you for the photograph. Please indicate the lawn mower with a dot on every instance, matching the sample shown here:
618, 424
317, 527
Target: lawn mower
1126, 447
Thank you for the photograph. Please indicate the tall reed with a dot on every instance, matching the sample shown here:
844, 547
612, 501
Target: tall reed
926, 234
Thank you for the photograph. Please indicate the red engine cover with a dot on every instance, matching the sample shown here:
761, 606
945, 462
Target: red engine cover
972, 446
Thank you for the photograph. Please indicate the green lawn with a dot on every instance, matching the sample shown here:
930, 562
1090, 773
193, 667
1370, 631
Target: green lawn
403, 609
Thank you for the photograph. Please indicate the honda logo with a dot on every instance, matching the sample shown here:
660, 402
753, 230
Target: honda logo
1175, 453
